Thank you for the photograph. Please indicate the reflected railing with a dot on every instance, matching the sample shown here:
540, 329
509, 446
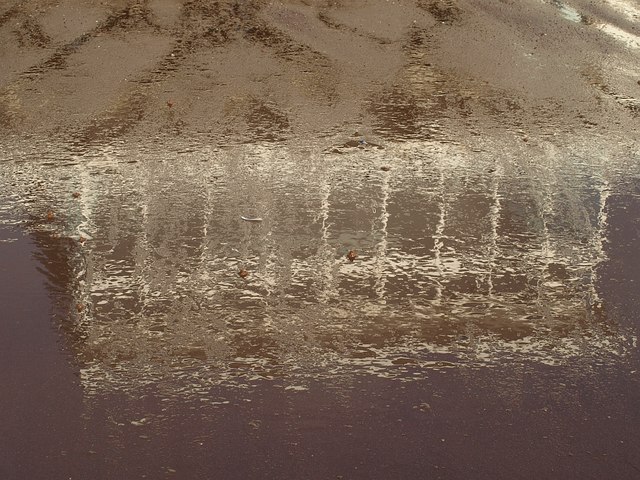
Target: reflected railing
465, 258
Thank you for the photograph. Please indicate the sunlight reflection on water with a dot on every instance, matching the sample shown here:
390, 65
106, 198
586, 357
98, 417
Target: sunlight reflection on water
464, 258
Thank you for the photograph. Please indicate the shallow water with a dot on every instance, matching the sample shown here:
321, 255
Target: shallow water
439, 277
462, 257
485, 267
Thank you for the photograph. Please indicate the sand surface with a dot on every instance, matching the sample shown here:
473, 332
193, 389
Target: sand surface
438, 277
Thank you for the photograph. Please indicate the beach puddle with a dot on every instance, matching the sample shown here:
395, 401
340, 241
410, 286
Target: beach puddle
319, 240
456, 258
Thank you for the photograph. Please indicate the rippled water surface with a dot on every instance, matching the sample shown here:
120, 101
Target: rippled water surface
319, 239
464, 258
490, 264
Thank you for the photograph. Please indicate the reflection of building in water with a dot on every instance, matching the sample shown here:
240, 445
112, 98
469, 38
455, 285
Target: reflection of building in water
459, 255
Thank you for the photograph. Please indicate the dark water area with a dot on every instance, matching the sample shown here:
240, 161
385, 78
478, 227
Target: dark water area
316, 240
41, 399
488, 320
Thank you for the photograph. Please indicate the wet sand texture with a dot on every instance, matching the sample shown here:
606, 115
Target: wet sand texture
92, 72
319, 239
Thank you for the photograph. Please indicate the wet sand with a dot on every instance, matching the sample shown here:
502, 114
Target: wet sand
479, 161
